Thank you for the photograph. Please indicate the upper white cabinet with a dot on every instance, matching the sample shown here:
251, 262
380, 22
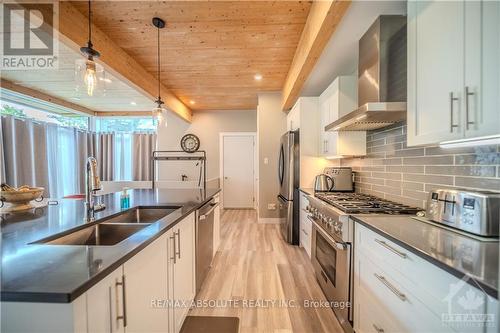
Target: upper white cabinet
453, 70
339, 99
293, 118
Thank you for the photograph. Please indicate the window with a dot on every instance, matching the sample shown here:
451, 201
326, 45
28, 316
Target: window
128, 125
123, 129
58, 117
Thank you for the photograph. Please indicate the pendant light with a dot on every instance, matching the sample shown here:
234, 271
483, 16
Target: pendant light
159, 110
91, 68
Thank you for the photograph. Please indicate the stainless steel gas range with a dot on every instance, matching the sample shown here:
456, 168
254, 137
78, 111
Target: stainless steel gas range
333, 240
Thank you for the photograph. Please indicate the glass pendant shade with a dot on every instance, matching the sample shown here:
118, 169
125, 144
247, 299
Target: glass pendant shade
90, 78
159, 114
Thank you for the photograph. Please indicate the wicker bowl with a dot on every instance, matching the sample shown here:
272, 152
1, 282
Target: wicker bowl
20, 200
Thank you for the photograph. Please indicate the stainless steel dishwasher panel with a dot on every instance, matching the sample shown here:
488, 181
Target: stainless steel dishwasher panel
204, 241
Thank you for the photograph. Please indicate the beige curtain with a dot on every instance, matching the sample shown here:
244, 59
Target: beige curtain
86, 143
24, 152
46, 155
143, 145
105, 155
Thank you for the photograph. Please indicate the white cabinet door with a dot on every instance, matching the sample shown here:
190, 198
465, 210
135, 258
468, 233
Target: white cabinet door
145, 280
339, 99
482, 68
184, 282
293, 117
324, 106
105, 304
305, 225
435, 71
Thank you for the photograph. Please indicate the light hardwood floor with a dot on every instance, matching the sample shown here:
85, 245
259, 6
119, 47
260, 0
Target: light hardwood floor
254, 263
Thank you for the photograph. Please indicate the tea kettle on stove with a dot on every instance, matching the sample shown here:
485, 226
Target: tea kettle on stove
323, 183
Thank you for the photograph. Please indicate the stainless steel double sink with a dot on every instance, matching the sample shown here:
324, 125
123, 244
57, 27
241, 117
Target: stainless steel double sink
111, 230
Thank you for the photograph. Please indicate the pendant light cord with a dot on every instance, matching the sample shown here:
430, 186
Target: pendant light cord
90, 25
158, 65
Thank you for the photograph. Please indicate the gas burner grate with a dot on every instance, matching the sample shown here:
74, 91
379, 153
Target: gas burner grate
356, 203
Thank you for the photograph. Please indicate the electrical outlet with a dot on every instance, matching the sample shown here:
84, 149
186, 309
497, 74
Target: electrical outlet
271, 206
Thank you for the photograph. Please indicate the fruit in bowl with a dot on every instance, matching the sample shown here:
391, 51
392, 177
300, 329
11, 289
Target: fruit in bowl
19, 198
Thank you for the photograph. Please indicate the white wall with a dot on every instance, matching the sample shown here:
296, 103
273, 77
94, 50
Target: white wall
206, 125
271, 125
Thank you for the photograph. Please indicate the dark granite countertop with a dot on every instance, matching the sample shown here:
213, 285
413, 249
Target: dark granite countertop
61, 273
457, 254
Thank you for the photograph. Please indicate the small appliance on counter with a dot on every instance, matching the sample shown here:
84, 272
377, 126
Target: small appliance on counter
475, 212
323, 183
335, 179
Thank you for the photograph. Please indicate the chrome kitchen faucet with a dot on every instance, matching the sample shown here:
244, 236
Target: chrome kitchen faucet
92, 184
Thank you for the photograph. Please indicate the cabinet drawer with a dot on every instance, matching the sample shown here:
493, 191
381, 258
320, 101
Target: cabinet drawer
397, 302
431, 283
371, 316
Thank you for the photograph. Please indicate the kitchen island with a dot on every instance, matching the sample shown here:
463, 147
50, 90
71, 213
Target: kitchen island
64, 281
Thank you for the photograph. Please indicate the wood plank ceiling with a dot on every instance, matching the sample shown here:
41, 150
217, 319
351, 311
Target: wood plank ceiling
210, 50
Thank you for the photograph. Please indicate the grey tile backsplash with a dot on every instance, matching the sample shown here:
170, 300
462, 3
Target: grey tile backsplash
393, 171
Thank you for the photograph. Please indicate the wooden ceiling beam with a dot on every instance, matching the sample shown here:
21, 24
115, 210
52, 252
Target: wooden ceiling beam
73, 32
322, 21
143, 114
5, 84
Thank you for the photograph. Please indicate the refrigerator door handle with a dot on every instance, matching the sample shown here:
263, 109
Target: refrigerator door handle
281, 165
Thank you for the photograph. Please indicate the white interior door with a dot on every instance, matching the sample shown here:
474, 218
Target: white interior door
238, 171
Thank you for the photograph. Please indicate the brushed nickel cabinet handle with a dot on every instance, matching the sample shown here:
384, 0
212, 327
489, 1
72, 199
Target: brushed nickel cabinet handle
174, 258
390, 248
110, 310
468, 93
378, 329
179, 243
389, 286
124, 302
452, 100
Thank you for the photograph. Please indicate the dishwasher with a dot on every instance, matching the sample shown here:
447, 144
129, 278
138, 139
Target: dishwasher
204, 241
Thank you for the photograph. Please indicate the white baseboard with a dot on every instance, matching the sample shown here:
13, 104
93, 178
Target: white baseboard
269, 220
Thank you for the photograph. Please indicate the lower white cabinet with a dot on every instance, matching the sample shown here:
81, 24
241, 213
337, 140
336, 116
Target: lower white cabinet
305, 233
182, 265
145, 280
150, 292
105, 304
397, 291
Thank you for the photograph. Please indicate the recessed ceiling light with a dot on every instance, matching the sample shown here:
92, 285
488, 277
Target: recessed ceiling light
192, 102
105, 79
76, 98
257, 77
133, 103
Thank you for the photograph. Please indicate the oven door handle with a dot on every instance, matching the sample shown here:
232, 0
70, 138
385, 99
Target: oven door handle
338, 245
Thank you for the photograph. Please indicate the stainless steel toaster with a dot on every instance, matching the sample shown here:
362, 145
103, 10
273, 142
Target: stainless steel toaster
476, 212
342, 178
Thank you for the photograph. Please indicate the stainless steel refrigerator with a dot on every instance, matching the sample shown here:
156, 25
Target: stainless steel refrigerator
289, 180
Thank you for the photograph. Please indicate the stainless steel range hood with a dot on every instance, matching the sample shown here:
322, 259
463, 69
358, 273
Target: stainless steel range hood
381, 77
